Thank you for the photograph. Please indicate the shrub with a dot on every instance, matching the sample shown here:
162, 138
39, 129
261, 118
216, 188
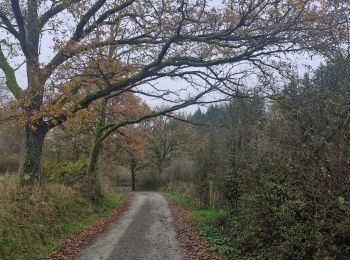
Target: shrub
148, 180
283, 214
181, 169
66, 172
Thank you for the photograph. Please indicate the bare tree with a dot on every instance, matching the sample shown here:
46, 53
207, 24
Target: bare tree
164, 143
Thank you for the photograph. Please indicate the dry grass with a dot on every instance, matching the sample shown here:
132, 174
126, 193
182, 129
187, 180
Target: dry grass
36, 220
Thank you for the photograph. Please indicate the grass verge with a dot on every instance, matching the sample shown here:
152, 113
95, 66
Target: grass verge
36, 222
212, 223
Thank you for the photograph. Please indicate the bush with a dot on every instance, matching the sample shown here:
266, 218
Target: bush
148, 180
181, 169
212, 225
65, 172
283, 214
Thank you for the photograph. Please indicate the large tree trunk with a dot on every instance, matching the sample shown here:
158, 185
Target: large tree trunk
33, 132
92, 167
31, 158
94, 187
92, 170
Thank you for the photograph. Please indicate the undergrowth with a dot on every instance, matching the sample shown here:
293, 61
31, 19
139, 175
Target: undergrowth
36, 221
179, 198
211, 223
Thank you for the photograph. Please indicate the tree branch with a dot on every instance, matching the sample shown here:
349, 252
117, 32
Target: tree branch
55, 10
21, 26
85, 19
9, 27
112, 128
191, 122
107, 14
9, 72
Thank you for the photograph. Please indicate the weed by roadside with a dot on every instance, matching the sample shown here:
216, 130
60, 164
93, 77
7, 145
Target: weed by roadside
211, 223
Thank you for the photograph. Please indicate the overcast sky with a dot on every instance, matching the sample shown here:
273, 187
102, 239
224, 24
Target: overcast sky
301, 62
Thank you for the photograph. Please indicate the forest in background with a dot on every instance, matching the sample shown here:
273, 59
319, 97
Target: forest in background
278, 166
263, 164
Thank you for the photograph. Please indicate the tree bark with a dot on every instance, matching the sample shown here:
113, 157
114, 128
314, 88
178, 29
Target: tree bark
31, 157
133, 177
92, 167
92, 170
133, 180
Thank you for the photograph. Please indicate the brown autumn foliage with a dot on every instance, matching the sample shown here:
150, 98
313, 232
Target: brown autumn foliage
280, 166
195, 246
151, 40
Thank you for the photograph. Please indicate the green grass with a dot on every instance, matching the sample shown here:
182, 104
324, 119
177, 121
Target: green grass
207, 221
72, 227
178, 198
32, 225
110, 202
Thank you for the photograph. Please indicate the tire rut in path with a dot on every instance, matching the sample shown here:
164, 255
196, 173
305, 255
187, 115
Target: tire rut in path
145, 231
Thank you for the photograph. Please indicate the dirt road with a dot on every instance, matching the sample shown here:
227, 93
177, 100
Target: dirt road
145, 231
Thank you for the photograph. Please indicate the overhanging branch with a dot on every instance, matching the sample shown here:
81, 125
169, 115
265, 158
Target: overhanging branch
9, 72
112, 128
21, 26
9, 27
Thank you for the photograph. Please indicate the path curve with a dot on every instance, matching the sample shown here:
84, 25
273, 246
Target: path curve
146, 231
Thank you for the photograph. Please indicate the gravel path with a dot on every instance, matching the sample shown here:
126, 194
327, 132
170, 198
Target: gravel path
145, 231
